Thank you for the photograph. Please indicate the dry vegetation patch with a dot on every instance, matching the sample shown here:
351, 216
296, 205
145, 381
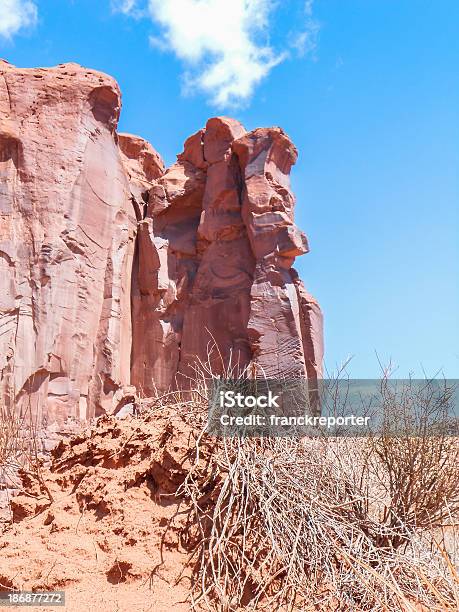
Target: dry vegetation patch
153, 508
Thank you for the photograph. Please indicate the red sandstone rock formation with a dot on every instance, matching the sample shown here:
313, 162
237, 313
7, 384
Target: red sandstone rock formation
116, 272
67, 230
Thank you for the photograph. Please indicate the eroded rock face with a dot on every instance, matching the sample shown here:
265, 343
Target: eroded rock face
67, 229
214, 268
117, 272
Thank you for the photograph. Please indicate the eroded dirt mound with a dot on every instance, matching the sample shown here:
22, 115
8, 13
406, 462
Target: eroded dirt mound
103, 522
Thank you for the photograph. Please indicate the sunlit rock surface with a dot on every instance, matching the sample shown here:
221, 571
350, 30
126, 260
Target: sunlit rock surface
118, 273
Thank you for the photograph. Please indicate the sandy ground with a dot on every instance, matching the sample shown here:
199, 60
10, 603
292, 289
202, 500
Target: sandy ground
103, 523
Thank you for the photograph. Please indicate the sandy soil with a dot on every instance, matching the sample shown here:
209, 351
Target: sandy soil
101, 523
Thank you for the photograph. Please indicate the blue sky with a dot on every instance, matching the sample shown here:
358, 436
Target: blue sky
369, 92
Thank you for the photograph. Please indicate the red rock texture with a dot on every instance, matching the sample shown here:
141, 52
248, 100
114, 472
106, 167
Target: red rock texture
67, 231
214, 263
116, 271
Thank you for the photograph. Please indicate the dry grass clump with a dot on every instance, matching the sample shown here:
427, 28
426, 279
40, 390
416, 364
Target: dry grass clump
331, 524
13, 444
18, 445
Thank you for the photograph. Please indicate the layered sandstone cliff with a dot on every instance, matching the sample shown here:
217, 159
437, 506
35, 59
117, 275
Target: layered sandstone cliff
117, 272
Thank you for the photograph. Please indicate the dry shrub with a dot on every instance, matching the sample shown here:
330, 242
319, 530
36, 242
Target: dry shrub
331, 524
415, 455
12, 442
18, 445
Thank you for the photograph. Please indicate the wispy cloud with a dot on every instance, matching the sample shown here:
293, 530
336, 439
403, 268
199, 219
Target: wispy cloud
16, 15
224, 44
128, 7
305, 40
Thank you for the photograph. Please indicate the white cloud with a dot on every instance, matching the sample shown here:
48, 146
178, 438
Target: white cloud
217, 39
223, 43
16, 15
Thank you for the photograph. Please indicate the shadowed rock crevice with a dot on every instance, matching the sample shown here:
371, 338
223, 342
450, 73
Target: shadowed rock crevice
10, 149
106, 105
